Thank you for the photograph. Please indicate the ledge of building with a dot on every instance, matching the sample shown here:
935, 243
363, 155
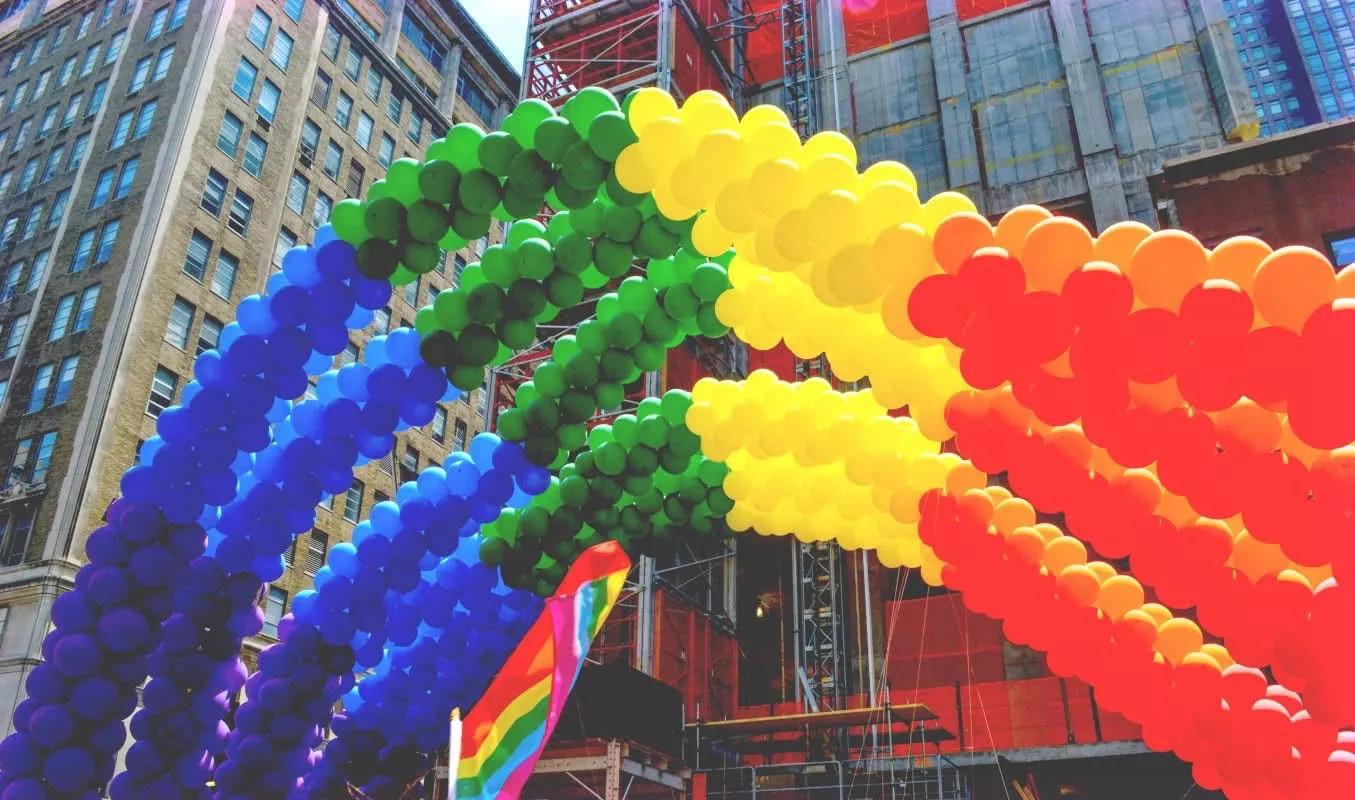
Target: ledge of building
1281, 145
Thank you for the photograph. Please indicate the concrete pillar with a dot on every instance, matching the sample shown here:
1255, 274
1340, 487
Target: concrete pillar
1232, 97
451, 70
33, 13
389, 40
952, 92
1087, 95
835, 101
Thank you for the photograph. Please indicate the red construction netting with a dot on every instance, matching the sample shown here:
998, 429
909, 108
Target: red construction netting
968, 9
869, 24
693, 69
762, 49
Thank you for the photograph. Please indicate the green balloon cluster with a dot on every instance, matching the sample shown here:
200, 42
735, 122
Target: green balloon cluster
639, 481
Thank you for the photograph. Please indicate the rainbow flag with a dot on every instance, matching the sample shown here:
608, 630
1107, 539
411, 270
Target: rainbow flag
506, 731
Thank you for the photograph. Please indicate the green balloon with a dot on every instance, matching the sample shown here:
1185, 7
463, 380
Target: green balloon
516, 333
500, 213
525, 229
531, 173
711, 473
451, 241
618, 194
636, 295
719, 502
529, 115
683, 444
576, 407
385, 218
402, 177
621, 223
591, 338
582, 169
471, 277
550, 379
438, 181
564, 290
452, 310
661, 273
425, 321
463, 146
574, 491
709, 281
616, 366
526, 299
420, 258
642, 461
608, 306
542, 452
426, 221
403, 276
568, 197
680, 302
517, 206
624, 430
378, 189
468, 225
492, 550
553, 137
587, 221
348, 223
573, 253
581, 371
613, 258
477, 345
709, 323
479, 191
650, 357
377, 259
526, 395
609, 134
564, 349
535, 259
599, 435
609, 395
648, 407
592, 278
485, 304
674, 405
652, 432
558, 227
585, 106
499, 265
659, 327
497, 151
438, 150
624, 330
611, 458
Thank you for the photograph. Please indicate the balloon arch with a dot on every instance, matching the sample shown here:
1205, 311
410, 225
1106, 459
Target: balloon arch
1185, 410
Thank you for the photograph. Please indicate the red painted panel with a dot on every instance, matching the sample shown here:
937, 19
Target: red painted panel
968, 9
869, 24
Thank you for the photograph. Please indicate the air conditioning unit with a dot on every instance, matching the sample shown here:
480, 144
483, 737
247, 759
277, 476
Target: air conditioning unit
263, 123
307, 160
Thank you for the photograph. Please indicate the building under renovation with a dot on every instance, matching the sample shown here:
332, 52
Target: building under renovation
779, 670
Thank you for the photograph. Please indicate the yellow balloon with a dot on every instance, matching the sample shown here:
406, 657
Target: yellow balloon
935, 210
760, 115
903, 254
776, 186
722, 153
734, 206
700, 118
689, 184
828, 172
664, 144
772, 140
852, 276
830, 143
647, 105
709, 238
833, 218
888, 204
889, 171
669, 205
632, 172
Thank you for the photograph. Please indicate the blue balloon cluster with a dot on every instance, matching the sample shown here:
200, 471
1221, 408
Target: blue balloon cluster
67, 733
410, 582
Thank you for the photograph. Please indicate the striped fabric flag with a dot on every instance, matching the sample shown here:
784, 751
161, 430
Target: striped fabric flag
503, 735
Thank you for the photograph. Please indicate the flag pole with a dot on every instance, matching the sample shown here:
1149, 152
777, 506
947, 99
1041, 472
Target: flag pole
453, 752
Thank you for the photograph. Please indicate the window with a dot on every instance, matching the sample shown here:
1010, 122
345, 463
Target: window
418, 35
242, 206
324, 206
364, 132
42, 384
89, 298
78, 148
65, 379
353, 187
352, 502
48, 122
58, 208
86, 22
439, 425
1341, 248
352, 64
459, 435
228, 140
44, 80
4, 135
475, 97
259, 25
17, 328
296, 193
140, 73
315, 552
176, 20
415, 130
162, 62
7, 233
409, 465
320, 91
395, 106
310, 138
21, 135
381, 321
91, 58
96, 98
108, 237
6, 178
180, 322
125, 178
72, 110
12, 277
209, 334
255, 151
245, 75
274, 607
286, 241
44, 459
20, 94
282, 50
62, 319
330, 46
84, 248
293, 8
343, 110
386, 153
163, 388
412, 293
333, 160
106, 14
38, 272
373, 85
268, 101
34, 220
223, 277
214, 193
53, 163
144, 118
158, 21
195, 263
67, 71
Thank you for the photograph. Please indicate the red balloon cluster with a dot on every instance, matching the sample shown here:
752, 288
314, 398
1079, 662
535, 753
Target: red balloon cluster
1256, 741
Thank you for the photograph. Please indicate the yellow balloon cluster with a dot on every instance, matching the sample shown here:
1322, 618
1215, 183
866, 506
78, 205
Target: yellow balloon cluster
824, 465
827, 256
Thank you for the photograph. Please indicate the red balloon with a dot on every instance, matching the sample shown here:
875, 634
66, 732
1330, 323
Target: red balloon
1156, 345
991, 280
1044, 328
1216, 492
1216, 309
1054, 400
1136, 442
1271, 364
1211, 374
1098, 293
937, 308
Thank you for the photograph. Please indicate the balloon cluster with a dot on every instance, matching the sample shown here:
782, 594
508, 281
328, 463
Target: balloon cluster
637, 481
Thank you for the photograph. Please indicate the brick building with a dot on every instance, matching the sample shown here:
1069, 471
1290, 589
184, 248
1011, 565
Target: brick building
156, 161
1291, 188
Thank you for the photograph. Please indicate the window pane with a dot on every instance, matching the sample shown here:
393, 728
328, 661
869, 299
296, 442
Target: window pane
65, 380
162, 62
162, 391
195, 263
84, 248
107, 239
242, 206
275, 607
268, 100
17, 328
89, 299
255, 151
62, 319
364, 132
42, 384
296, 193
209, 335
229, 139
214, 193
352, 502
180, 322
282, 50
125, 178
343, 110
258, 28
144, 119
315, 552
44, 457
223, 278
286, 241
243, 86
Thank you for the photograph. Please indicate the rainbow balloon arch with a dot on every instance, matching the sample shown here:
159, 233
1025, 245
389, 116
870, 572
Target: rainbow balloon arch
1183, 408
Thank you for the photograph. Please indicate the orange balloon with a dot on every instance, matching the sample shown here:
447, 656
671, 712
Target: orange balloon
963, 477
1162, 396
1219, 653
1248, 426
1063, 552
1236, 260
1103, 570
1016, 225
958, 237
998, 494
1296, 447
1055, 249
1071, 444
1027, 545
975, 504
1079, 585
1142, 486
1116, 244
1120, 594
1048, 531
1291, 284
1345, 283
1166, 266
1158, 612
894, 313
1012, 514
1255, 558
1136, 628
1177, 638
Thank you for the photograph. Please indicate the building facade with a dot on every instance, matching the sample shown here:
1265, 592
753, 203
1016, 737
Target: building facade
156, 161
1298, 57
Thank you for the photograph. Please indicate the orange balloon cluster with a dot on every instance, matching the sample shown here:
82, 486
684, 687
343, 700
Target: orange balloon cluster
1256, 741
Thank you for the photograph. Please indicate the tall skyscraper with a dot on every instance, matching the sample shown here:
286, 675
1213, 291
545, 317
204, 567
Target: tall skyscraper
156, 161
1298, 57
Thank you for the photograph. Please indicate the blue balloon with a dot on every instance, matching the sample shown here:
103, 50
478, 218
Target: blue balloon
482, 449
462, 476
330, 337
77, 655
336, 259
318, 362
325, 234
291, 306
343, 559
255, 316
406, 493
333, 302
290, 346
353, 381
298, 264
385, 519
51, 726
276, 281
375, 355
402, 347
305, 604
360, 318
371, 293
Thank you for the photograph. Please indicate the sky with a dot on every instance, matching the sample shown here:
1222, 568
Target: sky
505, 21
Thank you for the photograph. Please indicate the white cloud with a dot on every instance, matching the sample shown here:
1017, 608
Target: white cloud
505, 22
